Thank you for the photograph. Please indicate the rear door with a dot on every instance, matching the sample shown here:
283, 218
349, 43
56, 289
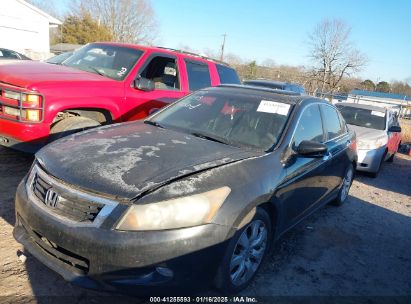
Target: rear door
198, 74
337, 141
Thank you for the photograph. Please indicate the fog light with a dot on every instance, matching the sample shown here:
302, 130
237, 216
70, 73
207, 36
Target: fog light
164, 271
33, 115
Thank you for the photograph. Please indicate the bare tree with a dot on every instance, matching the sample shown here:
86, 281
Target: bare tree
333, 54
130, 21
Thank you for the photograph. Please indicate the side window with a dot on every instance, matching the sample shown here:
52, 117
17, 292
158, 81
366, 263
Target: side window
163, 71
395, 119
343, 123
227, 74
332, 123
309, 126
9, 54
198, 75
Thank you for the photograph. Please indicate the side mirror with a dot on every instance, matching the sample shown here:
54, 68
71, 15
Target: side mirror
310, 148
144, 84
394, 129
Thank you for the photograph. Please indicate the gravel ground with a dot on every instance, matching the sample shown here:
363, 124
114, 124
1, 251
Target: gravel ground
360, 249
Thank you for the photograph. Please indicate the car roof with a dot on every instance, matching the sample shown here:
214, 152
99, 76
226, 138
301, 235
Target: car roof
281, 95
361, 106
270, 82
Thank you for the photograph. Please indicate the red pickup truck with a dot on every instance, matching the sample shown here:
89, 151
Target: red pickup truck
101, 83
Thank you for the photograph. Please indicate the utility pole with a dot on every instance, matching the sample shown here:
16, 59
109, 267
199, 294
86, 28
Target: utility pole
222, 48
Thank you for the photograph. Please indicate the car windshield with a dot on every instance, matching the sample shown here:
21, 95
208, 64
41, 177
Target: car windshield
59, 58
367, 118
111, 61
237, 119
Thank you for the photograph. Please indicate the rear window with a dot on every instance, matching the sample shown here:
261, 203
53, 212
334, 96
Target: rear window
198, 75
227, 75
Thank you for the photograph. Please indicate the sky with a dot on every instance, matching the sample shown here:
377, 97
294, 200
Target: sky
278, 29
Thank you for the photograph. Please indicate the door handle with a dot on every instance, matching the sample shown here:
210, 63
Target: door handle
328, 156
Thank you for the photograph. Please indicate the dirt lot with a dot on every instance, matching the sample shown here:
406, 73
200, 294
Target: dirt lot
360, 249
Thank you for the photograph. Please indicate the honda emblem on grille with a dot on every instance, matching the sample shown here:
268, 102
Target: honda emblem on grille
51, 199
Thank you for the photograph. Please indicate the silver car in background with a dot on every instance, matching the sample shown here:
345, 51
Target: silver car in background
378, 134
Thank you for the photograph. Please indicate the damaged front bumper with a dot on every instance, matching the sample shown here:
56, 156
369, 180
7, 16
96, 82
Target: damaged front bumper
104, 258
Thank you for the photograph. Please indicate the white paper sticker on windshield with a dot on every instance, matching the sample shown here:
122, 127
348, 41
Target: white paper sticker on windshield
377, 113
268, 106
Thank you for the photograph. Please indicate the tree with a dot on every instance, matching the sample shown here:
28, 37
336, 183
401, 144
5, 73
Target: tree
401, 87
383, 86
130, 21
251, 70
83, 29
333, 55
368, 85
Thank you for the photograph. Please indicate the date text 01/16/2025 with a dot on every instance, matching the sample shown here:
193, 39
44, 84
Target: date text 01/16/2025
238, 299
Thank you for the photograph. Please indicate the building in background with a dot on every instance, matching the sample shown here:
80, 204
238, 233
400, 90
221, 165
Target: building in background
26, 29
398, 102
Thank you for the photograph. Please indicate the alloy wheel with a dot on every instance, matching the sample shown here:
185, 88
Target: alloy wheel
248, 252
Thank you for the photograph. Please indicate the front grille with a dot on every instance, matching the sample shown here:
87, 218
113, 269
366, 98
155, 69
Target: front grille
76, 262
77, 210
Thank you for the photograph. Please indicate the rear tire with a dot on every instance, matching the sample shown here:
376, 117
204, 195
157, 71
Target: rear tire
345, 187
71, 125
244, 254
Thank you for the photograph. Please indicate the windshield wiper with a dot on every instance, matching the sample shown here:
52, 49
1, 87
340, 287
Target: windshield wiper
96, 70
153, 123
208, 137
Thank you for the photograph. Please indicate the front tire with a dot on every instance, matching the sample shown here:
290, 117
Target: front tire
245, 253
345, 187
71, 125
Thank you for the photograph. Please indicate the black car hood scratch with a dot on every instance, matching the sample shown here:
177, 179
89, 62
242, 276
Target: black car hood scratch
131, 159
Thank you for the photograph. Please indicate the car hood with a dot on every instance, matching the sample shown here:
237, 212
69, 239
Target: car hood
32, 74
367, 133
127, 160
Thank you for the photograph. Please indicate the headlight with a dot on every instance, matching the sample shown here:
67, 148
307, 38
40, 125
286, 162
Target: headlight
370, 145
176, 213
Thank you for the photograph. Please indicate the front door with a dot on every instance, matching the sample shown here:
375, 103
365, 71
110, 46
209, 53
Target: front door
306, 180
163, 70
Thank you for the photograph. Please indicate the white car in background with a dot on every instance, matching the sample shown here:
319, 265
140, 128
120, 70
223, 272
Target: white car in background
378, 134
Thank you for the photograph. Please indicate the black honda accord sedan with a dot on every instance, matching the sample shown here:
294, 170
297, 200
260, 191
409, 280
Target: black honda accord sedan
199, 189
